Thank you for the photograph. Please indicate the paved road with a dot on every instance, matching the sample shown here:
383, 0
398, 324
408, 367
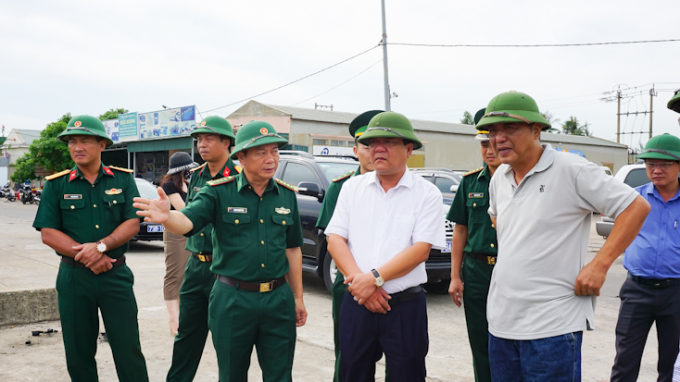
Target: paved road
28, 264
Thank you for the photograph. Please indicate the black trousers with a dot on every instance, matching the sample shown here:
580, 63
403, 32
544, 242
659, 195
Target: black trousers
641, 306
401, 334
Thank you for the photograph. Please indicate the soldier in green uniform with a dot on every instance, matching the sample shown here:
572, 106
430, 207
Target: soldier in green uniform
215, 137
474, 246
356, 128
257, 298
86, 216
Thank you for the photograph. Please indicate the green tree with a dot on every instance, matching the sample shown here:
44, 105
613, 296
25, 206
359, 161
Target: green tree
574, 127
468, 119
112, 114
24, 170
552, 121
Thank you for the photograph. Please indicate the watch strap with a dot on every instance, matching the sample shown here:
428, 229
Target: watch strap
375, 273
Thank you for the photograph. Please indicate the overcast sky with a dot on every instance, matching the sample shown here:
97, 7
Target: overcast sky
86, 57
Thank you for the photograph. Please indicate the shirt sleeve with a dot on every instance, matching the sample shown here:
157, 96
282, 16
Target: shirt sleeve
170, 188
49, 213
131, 192
597, 191
339, 223
492, 194
202, 210
429, 227
458, 212
328, 205
294, 234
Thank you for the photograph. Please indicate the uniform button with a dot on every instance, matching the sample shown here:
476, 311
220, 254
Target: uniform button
492, 245
250, 188
114, 202
262, 242
72, 206
202, 235
260, 199
263, 265
92, 185
493, 226
474, 204
94, 205
261, 221
96, 226
236, 221
284, 222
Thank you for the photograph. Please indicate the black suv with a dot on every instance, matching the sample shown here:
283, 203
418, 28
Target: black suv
317, 172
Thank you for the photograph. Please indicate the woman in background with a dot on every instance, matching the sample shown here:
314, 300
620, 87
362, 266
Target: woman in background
174, 184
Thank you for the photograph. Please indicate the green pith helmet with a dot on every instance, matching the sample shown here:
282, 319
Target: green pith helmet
482, 134
254, 134
674, 103
389, 124
512, 106
359, 124
215, 125
85, 125
664, 146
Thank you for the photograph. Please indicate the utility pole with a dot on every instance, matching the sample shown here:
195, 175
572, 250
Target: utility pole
618, 116
651, 109
384, 44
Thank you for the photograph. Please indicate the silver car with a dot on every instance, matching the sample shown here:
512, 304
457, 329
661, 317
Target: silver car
634, 175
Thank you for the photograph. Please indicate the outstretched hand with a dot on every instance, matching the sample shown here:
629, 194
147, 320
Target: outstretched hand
154, 211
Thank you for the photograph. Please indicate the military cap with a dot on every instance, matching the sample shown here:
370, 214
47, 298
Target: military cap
359, 124
215, 125
674, 103
389, 124
85, 125
482, 134
664, 146
254, 134
513, 106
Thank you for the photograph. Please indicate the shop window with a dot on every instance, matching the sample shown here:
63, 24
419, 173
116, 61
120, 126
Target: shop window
321, 142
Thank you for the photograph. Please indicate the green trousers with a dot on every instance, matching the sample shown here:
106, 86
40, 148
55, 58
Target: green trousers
477, 277
81, 294
337, 294
193, 320
241, 319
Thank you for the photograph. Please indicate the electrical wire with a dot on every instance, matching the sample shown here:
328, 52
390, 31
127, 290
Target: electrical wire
530, 45
298, 80
335, 87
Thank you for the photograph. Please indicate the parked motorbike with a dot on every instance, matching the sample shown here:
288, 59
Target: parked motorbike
38, 195
26, 193
7, 192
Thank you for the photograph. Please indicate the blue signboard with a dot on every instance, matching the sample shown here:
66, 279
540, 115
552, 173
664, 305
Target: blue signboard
127, 127
167, 123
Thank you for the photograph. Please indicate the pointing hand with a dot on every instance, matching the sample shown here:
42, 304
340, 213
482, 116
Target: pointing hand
154, 211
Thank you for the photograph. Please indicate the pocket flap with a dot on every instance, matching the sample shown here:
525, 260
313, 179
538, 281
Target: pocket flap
283, 220
114, 199
72, 204
236, 219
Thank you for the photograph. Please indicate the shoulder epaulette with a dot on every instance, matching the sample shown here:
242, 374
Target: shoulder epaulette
60, 173
219, 181
286, 185
473, 171
129, 171
343, 176
238, 169
199, 167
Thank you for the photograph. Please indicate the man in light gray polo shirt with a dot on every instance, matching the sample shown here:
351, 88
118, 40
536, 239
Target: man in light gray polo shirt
542, 294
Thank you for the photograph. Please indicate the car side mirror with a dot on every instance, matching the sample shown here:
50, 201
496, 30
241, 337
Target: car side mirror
309, 189
454, 188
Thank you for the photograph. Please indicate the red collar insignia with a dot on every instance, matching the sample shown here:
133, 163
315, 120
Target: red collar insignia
72, 175
108, 171
226, 171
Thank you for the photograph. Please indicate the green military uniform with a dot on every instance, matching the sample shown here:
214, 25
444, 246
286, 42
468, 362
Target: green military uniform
469, 208
88, 212
252, 234
356, 128
198, 280
195, 292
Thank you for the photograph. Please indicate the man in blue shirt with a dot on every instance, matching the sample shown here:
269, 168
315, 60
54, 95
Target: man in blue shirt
652, 291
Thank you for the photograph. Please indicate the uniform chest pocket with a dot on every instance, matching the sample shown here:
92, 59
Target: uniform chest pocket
71, 209
477, 209
278, 233
114, 205
238, 228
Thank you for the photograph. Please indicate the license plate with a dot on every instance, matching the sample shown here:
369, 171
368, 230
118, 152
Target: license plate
448, 248
160, 228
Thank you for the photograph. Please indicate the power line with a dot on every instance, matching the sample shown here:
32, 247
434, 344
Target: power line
335, 87
298, 80
531, 45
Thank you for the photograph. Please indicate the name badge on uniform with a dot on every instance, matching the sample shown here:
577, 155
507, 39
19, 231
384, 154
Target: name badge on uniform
197, 189
237, 210
282, 211
476, 195
72, 196
113, 191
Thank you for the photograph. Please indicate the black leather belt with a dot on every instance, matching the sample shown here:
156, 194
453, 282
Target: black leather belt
404, 296
253, 287
71, 261
204, 257
489, 259
654, 283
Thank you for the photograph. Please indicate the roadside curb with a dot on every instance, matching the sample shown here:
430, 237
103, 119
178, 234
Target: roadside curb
28, 306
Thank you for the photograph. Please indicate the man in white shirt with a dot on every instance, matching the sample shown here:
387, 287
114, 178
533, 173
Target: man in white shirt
542, 294
383, 227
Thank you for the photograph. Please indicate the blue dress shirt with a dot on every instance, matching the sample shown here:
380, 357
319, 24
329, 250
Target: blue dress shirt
655, 252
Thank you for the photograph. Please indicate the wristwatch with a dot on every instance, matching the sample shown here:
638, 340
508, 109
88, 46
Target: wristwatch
378, 279
101, 247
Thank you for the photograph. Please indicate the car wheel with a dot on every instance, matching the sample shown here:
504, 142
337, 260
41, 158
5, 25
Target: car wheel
330, 271
441, 287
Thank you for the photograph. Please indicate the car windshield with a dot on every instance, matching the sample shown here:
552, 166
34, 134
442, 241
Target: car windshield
146, 189
637, 177
332, 170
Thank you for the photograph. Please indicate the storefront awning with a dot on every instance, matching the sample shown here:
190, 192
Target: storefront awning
160, 145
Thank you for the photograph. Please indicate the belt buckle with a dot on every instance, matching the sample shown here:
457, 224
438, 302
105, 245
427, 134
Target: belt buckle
266, 287
491, 260
202, 258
